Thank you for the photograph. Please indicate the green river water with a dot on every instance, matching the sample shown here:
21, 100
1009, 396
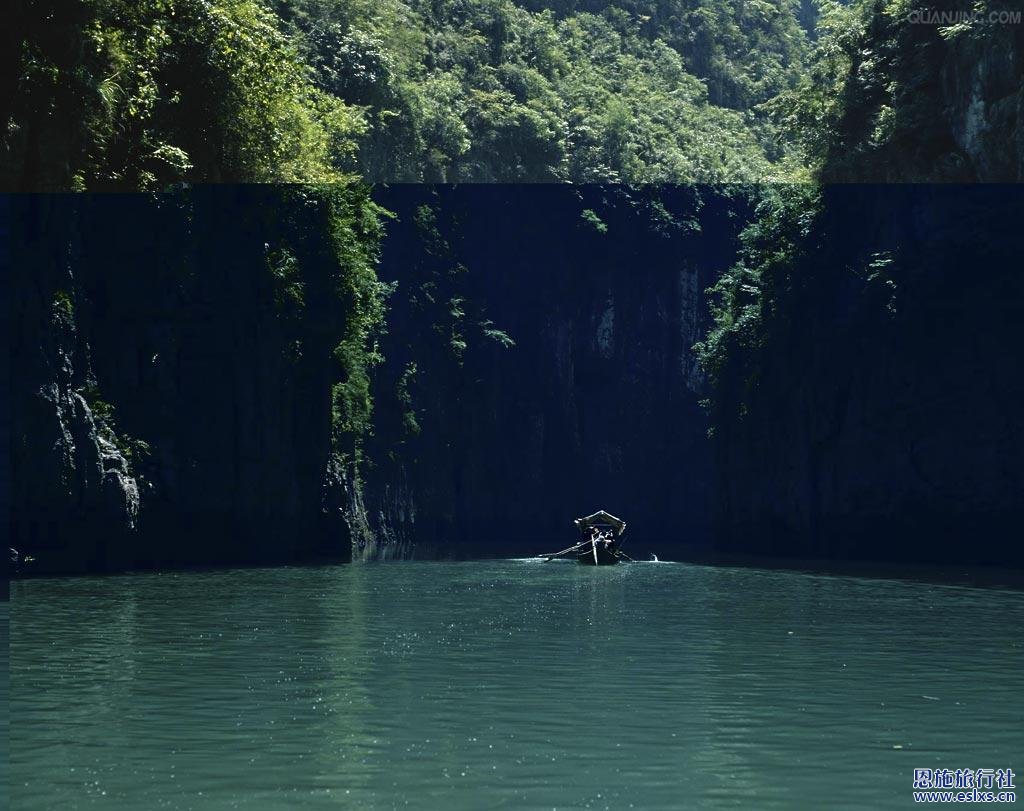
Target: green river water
505, 684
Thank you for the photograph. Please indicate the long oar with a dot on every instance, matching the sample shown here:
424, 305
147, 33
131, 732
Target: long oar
565, 551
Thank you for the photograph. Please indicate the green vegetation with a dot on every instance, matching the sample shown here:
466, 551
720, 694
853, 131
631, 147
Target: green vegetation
63, 309
100, 408
403, 394
757, 303
135, 451
118, 94
752, 302
503, 91
289, 289
882, 100
885, 100
592, 219
289, 292
139, 94
113, 94
353, 224
142, 95
321, 254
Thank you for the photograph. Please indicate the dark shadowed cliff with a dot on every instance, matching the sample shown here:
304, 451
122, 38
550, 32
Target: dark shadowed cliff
188, 391
865, 395
872, 408
177, 375
539, 345
927, 101
201, 377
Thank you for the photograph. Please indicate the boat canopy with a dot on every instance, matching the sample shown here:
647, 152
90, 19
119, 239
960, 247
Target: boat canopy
601, 519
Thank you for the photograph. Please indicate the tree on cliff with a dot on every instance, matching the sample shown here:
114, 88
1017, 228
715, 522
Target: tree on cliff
139, 94
112, 94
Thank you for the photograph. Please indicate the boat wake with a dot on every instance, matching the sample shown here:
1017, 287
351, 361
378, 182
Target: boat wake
654, 559
540, 560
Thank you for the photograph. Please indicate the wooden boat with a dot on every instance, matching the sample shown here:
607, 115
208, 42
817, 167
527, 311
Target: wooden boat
600, 537
598, 554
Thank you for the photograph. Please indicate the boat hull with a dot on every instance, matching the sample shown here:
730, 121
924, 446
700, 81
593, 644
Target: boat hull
604, 557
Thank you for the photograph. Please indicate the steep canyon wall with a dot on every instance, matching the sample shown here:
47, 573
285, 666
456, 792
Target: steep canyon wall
594, 405
171, 401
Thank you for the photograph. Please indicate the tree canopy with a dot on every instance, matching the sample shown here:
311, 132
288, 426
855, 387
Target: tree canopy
140, 95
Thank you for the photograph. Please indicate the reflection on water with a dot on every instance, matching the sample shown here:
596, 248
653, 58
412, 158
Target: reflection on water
507, 684
4, 703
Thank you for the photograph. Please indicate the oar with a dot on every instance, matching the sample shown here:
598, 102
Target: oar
593, 546
564, 551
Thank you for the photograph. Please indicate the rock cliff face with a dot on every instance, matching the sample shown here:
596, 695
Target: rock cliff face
983, 93
70, 480
158, 366
176, 379
494, 447
5, 374
177, 367
928, 102
885, 420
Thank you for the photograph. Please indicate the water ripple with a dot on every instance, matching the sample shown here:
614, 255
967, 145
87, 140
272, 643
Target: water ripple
504, 684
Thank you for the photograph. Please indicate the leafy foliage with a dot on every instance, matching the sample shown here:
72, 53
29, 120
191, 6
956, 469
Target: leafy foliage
135, 451
753, 301
63, 309
321, 256
873, 106
140, 95
355, 231
885, 94
126, 94
494, 90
